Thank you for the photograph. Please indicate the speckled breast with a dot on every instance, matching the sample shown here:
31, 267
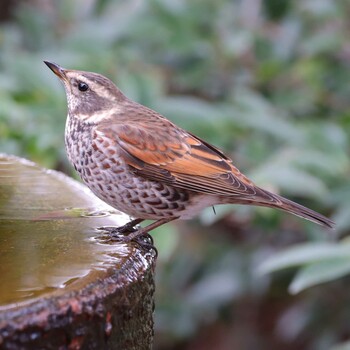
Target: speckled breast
96, 158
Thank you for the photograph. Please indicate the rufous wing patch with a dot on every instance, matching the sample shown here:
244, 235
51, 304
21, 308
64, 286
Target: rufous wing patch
180, 159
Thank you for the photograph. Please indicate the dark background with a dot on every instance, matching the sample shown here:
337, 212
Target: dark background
267, 81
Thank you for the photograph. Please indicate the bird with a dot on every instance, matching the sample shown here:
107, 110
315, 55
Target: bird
142, 164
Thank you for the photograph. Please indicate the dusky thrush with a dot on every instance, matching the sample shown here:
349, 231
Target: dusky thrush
142, 164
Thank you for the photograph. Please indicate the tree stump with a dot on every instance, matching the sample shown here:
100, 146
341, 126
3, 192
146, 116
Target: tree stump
63, 283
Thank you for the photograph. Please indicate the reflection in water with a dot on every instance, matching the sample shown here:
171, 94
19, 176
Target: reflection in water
40, 251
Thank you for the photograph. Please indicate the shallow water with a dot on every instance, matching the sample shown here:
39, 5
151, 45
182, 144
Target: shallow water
48, 236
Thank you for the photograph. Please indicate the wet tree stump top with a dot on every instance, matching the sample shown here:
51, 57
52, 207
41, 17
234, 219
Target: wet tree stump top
63, 284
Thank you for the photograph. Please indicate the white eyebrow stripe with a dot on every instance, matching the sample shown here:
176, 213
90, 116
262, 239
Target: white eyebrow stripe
97, 88
81, 78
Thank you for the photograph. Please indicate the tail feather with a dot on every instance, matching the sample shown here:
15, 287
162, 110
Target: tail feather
289, 206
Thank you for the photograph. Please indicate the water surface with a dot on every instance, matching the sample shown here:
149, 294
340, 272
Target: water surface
48, 236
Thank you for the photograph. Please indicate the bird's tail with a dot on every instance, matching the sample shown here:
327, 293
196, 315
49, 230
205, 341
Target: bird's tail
279, 202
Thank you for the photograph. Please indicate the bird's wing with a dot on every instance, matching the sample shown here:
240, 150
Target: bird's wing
160, 151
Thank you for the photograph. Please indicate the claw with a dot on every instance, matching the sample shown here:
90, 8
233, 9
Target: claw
127, 228
145, 241
120, 235
116, 230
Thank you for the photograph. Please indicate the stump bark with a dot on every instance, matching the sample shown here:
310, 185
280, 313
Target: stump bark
63, 283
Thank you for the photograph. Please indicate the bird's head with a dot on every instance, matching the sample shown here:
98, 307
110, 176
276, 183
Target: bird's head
90, 96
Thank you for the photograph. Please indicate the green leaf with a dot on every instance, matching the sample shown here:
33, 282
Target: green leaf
341, 346
253, 110
321, 272
305, 254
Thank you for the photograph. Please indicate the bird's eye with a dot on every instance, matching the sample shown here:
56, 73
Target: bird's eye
83, 86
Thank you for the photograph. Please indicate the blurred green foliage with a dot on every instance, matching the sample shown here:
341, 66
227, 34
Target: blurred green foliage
268, 81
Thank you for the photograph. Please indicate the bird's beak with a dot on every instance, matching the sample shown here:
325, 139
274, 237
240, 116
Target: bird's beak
59, 71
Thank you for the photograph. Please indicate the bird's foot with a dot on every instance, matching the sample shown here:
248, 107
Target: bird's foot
127, 228
128, 233
145, 241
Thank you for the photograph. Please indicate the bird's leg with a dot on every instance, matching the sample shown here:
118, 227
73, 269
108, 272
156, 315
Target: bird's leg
140, 236
128, 227
118, 234
143, 238
133, 236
